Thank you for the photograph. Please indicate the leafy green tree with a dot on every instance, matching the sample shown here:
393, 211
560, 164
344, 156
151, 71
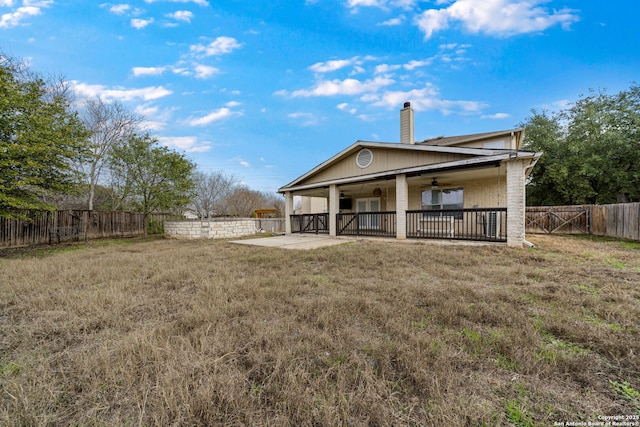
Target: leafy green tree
591, 151
150, 177
40, 138
544, 134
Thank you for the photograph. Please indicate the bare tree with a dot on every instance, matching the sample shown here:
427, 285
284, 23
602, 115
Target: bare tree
243, 201
274, 201
211, 192
109, 124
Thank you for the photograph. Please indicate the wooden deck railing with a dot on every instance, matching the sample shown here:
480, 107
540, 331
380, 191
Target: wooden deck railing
310, 223
483, 224
381, 224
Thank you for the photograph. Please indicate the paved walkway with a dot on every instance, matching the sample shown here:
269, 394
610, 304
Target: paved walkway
294, 241
313, 241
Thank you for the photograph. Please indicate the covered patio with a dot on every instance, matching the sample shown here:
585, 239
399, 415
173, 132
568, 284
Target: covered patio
466, 187
465, 200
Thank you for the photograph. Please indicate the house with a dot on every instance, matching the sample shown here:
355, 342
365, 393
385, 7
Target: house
468, 187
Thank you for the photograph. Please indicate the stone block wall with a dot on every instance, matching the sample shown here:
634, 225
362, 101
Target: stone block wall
213, 229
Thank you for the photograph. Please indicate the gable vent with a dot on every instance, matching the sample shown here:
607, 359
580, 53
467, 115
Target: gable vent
364, 158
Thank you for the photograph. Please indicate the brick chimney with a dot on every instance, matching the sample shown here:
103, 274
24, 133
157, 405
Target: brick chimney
406, 124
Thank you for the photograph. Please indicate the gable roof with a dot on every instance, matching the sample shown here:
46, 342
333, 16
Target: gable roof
477, 156
461, 139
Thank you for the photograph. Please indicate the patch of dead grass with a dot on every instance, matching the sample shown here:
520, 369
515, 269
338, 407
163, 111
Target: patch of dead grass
367, 333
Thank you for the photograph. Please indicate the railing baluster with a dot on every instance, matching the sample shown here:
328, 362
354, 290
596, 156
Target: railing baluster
487, 224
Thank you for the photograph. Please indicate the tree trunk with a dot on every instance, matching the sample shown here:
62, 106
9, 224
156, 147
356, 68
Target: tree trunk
145, 220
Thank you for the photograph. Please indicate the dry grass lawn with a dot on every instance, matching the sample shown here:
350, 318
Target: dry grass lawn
165, 332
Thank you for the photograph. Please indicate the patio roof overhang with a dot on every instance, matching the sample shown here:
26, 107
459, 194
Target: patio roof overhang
460, 165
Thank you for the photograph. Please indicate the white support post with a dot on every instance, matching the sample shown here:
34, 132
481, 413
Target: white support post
334, 209
515, 203
288, 211
402, 205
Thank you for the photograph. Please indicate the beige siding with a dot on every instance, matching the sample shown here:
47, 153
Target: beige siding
383, 160
504, 143
313, 205
415, 198
484, 193
390, 200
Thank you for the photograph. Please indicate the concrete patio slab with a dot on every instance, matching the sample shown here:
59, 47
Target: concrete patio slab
291, 241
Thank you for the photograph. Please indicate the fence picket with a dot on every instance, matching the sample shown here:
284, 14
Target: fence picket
619, 220
90, 224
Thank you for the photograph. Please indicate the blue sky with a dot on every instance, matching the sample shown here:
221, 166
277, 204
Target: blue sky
266, 90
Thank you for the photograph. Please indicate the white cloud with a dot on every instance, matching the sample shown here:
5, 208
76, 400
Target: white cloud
366, 3
119, 9
37, 3
306, 119
217, 115
496, 116
415, 64
345, 107
558, 105
426, 99
232, 104
205, 71
219, 46
382, 4
181, 15
332, 65
357, 70
386, 68
242, 162
448, 46
140, 23
405, 4
29, 9
181, 71
154, 118
199, 2
190, 144
393, 22
344, 87
153, 125
148, 71
146, 110
496, 17
432, 20
336, 64
457, 47
121, 94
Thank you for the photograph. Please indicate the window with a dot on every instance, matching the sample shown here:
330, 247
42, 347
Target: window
438, 200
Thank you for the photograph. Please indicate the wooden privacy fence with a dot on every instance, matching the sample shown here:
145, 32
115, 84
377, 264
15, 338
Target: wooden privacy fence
270, 224
80, 224
620, 220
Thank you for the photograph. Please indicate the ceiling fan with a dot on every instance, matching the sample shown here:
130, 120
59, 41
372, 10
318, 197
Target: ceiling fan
435, 185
